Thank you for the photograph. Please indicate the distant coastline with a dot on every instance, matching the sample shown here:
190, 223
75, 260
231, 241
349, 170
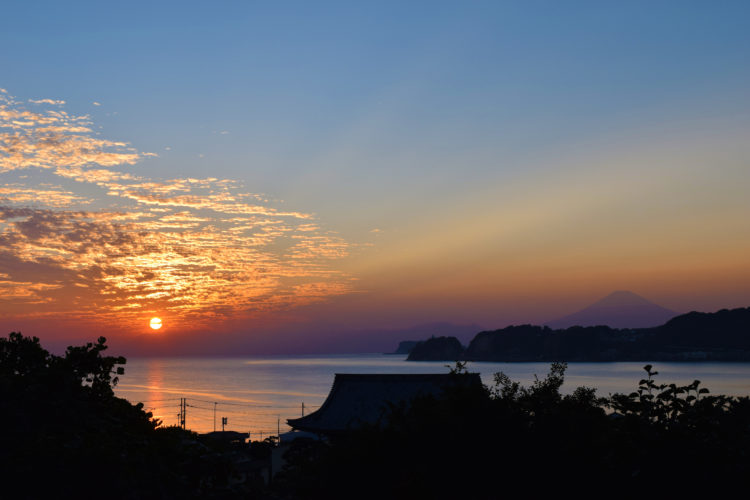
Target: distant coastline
695, 336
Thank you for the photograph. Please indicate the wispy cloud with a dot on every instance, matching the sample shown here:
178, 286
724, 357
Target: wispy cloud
52, 138
47, 101
55, 197
189, 249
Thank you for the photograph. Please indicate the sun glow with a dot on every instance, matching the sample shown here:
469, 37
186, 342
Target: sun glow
155, 323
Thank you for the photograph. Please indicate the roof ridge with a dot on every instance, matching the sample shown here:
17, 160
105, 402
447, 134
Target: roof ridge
347, 402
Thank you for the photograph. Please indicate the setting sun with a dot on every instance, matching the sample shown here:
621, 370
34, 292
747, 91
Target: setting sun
155, 323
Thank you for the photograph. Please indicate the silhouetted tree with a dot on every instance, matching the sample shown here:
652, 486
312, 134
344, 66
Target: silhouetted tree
64, 433
489, 441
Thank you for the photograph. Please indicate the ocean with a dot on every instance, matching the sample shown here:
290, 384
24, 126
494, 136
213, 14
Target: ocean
257, 395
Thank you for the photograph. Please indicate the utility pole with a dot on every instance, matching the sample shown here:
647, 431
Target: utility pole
303, 408
214, 416
223, 423
278, 427
183, 412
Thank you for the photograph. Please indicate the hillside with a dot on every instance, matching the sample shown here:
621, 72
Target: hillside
437, 348
719, 336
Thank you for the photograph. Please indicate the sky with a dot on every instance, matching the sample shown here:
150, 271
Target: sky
272, 177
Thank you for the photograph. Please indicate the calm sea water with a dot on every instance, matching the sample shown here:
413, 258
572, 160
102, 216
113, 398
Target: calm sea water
257, 395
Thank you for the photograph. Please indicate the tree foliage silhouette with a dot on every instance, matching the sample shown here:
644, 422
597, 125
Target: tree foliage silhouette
478, 442
64, 433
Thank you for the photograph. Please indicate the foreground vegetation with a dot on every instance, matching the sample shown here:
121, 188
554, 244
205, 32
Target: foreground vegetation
485, 442
64, 433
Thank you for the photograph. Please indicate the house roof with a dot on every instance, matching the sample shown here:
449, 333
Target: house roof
228, 436
357, 399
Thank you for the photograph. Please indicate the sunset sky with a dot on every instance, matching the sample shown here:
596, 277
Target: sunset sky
274, 177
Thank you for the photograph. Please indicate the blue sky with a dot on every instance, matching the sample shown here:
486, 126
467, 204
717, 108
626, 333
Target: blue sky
289, 81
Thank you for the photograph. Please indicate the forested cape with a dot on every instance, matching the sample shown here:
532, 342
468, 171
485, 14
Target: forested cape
695, 336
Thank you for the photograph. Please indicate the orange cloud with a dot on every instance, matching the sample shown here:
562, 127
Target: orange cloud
51, 197
47, 101
191, 250
52, 138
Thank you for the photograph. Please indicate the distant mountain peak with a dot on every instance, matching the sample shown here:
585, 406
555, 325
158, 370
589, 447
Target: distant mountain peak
619, 309
623, 296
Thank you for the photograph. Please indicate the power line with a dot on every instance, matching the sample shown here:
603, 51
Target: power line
159, 400
252, 405
243, 415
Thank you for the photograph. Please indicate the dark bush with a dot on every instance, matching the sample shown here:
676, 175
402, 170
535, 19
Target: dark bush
65, 434
488, 442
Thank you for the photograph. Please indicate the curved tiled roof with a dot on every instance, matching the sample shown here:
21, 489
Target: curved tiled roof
357, 399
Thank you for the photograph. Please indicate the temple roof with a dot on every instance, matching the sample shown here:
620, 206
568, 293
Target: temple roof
357, 399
